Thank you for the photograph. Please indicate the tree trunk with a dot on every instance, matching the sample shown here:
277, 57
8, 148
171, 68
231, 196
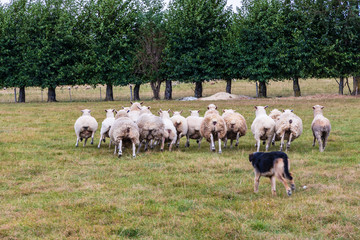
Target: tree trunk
341, 86
262, 89
155, 86
228, 86
296, 87
137, 92
198, 89
168, 90
356, 85
21, 94
51, 94
109, 92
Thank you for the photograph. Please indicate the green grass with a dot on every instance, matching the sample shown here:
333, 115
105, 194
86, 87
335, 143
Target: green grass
51, 190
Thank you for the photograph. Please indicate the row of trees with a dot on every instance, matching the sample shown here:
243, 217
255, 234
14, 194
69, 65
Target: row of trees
49, 43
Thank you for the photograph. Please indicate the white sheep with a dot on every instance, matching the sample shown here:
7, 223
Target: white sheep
213, 127
123, 129
85, 127
170, 130
194, 124
151, 128
288, 127
263, 127
275, 114
180, 124
321, 127
135, 110
106, 125
236, 126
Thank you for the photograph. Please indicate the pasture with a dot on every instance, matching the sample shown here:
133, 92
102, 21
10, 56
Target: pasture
51, 190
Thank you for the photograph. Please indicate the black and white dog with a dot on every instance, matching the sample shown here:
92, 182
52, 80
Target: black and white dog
272, 164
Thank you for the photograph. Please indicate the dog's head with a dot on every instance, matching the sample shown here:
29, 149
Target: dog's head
251, 157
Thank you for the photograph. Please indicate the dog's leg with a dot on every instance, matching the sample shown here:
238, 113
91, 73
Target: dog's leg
237, 139
273, 185
256, 181
289, 142
282, 179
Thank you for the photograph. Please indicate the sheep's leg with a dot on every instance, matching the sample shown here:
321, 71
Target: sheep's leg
110, 143
187, 144
140, 144
325, 140
85, 142
314, 141
237, 139
318, 137
152, 143
162, 144
282, 141
92, 138
225, 142
133, 148
115, 149
120, 148
101, 137
289, 142
219, 140
212, 145
178, 140
257, 144
231, 143
256, 181
199, 141
77, 142
273, 185
268, 143
273, 140
146, 145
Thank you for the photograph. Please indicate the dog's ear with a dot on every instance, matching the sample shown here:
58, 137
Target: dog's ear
251, 157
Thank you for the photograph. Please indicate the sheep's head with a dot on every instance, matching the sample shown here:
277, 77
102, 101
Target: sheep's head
194, 113
122, 113
86, 111
177, 113
228, 111
318, 109
110, 112
135, 106
212, 107
288, 111
260, 110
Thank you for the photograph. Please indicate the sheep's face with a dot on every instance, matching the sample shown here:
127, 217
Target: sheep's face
194, 113
86, 111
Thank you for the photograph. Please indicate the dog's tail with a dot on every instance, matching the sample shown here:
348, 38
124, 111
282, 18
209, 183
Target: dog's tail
286, 168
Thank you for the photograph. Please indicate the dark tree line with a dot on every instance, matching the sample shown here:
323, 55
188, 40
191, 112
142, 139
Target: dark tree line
50, 43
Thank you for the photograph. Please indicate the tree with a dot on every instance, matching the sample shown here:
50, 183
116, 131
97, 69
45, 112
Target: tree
194, 28
113, 28
151, 42
258, 39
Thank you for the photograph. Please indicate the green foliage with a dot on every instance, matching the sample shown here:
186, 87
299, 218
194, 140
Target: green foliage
195, 31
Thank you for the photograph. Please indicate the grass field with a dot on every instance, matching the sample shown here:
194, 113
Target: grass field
51, 190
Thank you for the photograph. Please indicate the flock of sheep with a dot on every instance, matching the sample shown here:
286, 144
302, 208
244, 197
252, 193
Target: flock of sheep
136, 124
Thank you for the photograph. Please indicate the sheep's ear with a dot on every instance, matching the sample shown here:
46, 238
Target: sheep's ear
314, 107
291, 110
198, 111
148, 107
128, 111
105, 110
283, 110
224, 110
82, 111
266, 107
215, 107
141, 103
322, 107
115, 111
255, 107
169, 111
208, 108
131, 102
160, 110
181, 111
